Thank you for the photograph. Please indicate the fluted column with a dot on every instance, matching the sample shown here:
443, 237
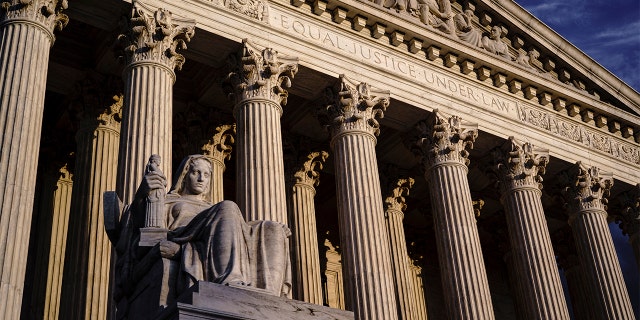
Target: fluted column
441, 144
257, 84
351, 114
629, 219
218, 149
150, 43
304, 238
26, 35
334, 287
395, 205
86, 285
420, 305
586, 200
519, 168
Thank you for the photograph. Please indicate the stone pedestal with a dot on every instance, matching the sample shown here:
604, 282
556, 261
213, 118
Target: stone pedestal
351, 115
304, 239
519, 168
586, 198
86, 286
395, 206
441, 144
218, 149
257, 83
26, 35
149, 50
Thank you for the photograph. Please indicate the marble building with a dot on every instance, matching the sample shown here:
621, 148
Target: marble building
433, 159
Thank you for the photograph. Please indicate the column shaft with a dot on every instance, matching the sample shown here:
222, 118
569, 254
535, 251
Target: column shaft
260, 170
363, 231
216, 187
404, 290
465, 285
419, 302
25, 39
602, 271
86, 286
146, 125
579, 293
306, 257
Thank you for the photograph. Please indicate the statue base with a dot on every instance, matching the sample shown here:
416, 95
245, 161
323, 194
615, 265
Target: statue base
151, 236
208, 300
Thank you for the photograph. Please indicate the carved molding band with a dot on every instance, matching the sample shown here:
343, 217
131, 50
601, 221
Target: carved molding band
519, 165
155, 36
588, 189
309, 170
440, 140
352, 107
47, 13
259, 73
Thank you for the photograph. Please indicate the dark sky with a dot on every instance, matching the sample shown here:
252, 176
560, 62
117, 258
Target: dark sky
606, 30
609, 32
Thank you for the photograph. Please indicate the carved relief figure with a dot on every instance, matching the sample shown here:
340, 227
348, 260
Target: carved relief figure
527, 60
437, 14
208, 242
494, 44
465, 30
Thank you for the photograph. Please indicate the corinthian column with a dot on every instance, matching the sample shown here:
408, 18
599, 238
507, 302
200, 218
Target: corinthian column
26, 35
629, 219
150, 44
306, 256
395, 205
441, 144
586, 198
257, 84
218, 149
85, 288
519, 168
351, 116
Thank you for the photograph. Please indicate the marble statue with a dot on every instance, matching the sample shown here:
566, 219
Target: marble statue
465, 30
437, 14
493, 44
204, 241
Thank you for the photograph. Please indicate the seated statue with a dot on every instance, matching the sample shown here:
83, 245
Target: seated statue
465, 30
437, 14
205, 241
494, 44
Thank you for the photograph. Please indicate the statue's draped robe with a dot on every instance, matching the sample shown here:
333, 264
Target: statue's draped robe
218, 246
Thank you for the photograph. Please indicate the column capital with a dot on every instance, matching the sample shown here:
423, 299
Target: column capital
519, 165
587, 190
629, 218
47, 13
440, 140
219, 147
396, 200
154, 35
259, 74
308, 172
352, 107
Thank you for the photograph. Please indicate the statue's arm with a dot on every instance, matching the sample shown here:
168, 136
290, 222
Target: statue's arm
112, 206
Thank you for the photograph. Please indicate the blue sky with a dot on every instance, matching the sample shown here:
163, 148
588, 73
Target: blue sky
606, 30
609, 32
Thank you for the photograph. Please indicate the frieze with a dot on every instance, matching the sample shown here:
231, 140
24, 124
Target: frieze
255, 9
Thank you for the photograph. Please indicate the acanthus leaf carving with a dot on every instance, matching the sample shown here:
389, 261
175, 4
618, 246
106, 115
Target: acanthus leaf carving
519, 165
441, 139
588, 189
629, 217
309, 171
155, 36
396, 200
219, 147
45, 12
353, 107
259, 73
111, 117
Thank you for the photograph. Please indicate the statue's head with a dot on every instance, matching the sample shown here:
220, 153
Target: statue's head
193, 176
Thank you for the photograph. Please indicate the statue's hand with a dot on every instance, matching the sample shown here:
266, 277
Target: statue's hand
169, 249
152, 181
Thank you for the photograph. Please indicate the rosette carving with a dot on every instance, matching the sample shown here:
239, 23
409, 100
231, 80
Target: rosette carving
219, 147
46, 12
519, 165
439, 140
309, 173
588, 188
155, 35
396, 200
259, 73
629, 218
352, 106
